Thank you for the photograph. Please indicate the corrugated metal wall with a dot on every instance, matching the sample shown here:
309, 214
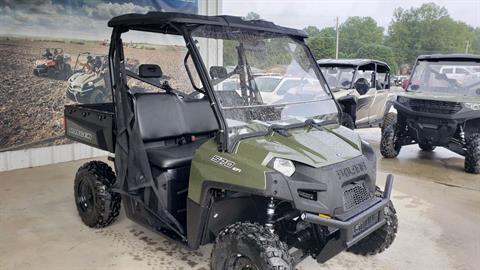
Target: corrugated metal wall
12, 160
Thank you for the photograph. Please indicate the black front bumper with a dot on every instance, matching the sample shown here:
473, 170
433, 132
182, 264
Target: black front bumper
78, 97
354, 229
432, 128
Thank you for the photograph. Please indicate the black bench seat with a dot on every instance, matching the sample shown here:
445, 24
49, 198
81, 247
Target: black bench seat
165, 117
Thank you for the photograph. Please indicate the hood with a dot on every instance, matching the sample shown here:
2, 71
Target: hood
311, 146
78, 80
342, 93
441, 97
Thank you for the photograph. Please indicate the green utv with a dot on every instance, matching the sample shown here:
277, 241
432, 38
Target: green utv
268, 184
441, 107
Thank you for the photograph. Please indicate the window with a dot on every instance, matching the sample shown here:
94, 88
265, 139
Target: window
461, 71
166, 51
447, 70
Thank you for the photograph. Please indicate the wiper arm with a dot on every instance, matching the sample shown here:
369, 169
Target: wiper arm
282, 130
312, 123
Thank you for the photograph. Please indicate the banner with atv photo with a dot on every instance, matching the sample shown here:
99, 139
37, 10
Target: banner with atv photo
54, 52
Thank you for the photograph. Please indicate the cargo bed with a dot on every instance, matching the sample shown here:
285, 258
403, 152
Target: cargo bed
91, 124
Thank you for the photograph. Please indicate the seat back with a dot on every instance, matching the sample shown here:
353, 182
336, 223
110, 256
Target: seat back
161, 116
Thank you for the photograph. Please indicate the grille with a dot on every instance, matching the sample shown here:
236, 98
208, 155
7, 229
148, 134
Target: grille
438, 107
355, 194
365, 224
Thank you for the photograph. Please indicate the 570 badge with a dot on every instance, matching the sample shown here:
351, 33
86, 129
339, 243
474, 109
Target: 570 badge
225, 162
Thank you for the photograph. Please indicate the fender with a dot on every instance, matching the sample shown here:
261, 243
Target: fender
201, 217
472, 126
389, 103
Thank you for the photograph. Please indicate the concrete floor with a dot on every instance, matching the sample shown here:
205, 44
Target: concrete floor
438, 207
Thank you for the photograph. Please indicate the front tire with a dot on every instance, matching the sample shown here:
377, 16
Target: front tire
389, 119
472, 157
97, 205
249, 246
97, 96
381, 239
389, 147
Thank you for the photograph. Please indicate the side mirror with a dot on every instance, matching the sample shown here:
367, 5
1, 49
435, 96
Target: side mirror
405, 84
218, 72
149, 71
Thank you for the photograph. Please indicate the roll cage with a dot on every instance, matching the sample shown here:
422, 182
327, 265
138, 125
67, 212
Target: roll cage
183, 25
356, 64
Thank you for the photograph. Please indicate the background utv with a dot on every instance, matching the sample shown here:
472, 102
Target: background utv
268, 184
439, 108
362, 88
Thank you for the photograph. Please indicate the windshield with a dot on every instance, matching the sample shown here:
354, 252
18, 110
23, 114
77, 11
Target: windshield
250, 97
338, 77
446, 77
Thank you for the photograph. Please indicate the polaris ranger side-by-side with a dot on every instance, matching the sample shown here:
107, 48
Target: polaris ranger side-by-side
362, 88
268, 183
441, 107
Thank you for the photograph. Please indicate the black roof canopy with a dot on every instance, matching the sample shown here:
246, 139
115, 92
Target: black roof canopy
449, 57
348, 62
368, 64
161, 22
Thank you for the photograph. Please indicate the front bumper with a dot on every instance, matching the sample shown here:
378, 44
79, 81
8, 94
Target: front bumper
78, 96
432, 128
356, 228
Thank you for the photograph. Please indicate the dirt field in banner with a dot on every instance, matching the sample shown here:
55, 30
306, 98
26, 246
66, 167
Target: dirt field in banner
31, 107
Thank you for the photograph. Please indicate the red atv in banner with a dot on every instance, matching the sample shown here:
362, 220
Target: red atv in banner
53, 64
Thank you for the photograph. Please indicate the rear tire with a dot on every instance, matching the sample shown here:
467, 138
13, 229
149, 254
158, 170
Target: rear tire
244, 245
381, 239
97, 205
67, 71
472, 157
389, 119
389, 148
97, 96
426, 147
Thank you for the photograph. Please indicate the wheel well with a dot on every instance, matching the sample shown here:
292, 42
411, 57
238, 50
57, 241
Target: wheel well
472, 126
228, 207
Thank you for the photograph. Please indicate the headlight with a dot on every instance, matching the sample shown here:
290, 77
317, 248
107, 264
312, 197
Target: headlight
473, 106
403, 100
284, 166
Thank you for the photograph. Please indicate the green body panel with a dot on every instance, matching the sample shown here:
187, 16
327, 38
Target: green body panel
311, 146
441, 97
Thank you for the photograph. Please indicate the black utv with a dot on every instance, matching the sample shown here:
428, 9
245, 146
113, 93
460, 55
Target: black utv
269, 183
441, 107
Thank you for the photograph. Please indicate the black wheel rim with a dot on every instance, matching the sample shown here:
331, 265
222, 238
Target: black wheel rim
240, 262
85, 198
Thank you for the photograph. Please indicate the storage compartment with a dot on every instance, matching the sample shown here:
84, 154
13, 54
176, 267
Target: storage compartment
91, 124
